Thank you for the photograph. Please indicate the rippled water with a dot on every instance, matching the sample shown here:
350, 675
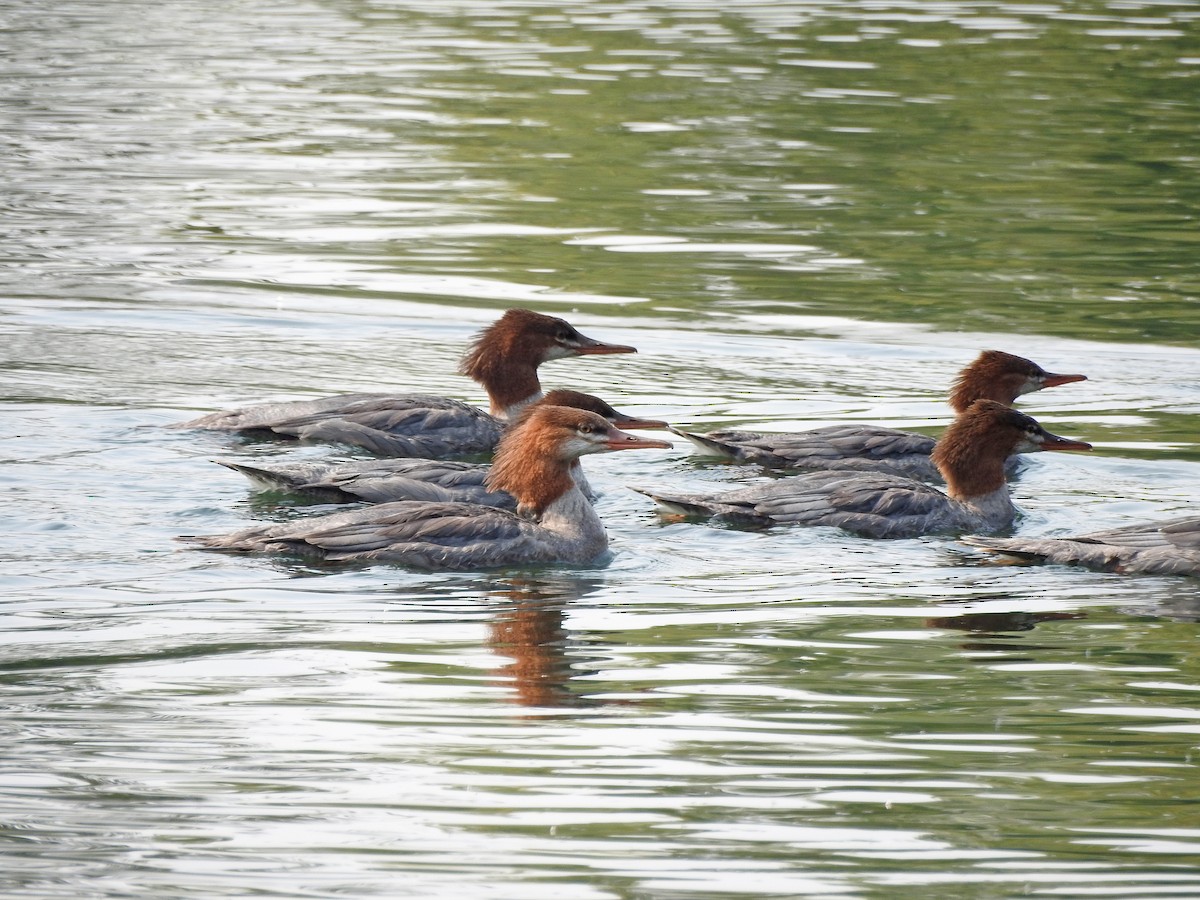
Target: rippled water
801, 213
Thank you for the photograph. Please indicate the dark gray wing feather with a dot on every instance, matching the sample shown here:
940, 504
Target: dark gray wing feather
384, 424
424, 535
867, 504
1155, 548
848, 447
264, 416
378, 480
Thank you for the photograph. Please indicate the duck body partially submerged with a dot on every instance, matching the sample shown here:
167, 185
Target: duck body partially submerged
994, 375
553, 522
377, 480
504, 359
384, 480
847, 448
1152, 548
970, 456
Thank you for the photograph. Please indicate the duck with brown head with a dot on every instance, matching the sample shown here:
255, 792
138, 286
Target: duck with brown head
970, 455
1003, 377
555, 523
994, 375
504, 359
385, 480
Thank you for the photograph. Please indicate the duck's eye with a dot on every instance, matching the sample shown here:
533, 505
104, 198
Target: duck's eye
564, 335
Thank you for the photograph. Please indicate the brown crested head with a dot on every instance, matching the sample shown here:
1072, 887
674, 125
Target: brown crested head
534, 458
505, 356
580, 400
972, 451
569, 399
1003, 377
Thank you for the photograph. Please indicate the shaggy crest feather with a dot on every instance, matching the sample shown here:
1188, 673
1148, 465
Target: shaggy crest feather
994, 375
971, 452
505, 356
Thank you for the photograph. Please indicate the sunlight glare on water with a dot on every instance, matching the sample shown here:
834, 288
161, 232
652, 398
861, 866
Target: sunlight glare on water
801, 214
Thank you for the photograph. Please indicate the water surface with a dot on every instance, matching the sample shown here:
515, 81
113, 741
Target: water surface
801, 213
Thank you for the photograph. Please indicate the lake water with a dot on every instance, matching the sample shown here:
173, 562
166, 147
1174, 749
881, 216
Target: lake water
801, 213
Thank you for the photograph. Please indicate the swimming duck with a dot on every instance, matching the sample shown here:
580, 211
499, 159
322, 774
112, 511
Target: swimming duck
384, 480
994, 375
1153, 548
970, 456
504, 359
554, 521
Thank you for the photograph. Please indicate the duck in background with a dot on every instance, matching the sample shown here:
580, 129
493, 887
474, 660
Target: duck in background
994, 375
970, 456
504, 358
386, 480
1152, 548
554, 521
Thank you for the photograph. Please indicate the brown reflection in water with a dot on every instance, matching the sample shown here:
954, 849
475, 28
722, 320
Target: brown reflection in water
996, 624
530, 631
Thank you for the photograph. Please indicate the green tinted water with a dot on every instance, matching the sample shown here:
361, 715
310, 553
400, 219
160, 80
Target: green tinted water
1018, 169
801, 213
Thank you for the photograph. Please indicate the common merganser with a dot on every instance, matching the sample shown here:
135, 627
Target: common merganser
1152, 548
554, 521
504, 359
385, 480
994, 375
970, 456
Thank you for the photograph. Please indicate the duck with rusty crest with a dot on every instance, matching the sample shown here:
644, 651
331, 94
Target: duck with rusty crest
554, 521
504, 359
970, 457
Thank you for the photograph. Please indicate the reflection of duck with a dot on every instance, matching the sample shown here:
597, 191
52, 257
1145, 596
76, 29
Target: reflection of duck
970, 456
532, 635
870, 448
530, 632
997, 624
385, 480
504, 359
1153, 548
554, 522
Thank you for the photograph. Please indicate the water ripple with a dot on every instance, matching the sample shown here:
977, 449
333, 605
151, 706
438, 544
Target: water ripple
802, 213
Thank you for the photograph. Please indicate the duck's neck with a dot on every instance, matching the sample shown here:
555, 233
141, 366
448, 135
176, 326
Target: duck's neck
573, 518
508, 410
970, 473
971, 455
974, 473
507, 372
581, 481
995, 509
546, 489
